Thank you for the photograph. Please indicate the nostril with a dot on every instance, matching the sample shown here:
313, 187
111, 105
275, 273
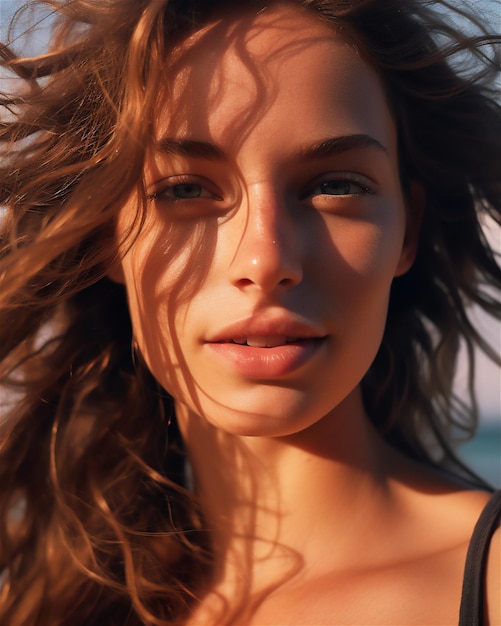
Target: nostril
244, 282
287, 282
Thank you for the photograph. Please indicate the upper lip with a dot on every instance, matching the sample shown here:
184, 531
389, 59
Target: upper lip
284, 325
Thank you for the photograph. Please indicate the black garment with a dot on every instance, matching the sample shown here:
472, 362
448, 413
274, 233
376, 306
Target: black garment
471, 612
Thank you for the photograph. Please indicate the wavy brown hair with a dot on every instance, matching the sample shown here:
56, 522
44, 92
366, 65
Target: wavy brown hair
96, 525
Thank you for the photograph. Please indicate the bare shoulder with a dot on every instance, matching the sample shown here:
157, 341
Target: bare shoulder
456, 513
465, 506
445, 515
439, 499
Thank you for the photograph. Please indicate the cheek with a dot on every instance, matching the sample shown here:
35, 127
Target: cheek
161, 279
167, 262
366, 251
155, 311
364, 259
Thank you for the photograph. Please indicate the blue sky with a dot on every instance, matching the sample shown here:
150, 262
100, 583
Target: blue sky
488, 379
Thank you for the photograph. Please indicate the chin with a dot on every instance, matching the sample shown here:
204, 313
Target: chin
286, 413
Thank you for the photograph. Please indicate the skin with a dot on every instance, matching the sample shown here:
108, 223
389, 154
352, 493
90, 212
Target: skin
314, 518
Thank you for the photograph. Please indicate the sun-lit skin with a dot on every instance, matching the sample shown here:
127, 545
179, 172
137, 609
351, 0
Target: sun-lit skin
276, 211
266, 241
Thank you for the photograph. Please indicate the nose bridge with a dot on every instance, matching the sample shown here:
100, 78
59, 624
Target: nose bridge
268, 253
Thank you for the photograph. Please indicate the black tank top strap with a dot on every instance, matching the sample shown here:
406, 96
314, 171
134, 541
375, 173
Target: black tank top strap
471, 612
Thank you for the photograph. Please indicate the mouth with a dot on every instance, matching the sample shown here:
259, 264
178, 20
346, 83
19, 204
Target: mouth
267, 357
262, 341
267, 330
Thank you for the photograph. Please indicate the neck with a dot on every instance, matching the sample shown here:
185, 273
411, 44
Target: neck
273, 504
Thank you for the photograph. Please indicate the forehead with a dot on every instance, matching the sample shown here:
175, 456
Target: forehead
240, 70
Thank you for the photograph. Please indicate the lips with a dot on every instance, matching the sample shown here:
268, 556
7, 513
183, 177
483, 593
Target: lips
278, 327
266, 346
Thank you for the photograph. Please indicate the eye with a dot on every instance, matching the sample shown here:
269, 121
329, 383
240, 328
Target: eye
185, 191
180, 188
341, 185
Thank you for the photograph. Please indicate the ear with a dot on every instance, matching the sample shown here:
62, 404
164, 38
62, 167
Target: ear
414, 216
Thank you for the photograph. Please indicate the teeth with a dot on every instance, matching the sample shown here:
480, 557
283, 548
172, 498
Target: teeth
241, 340
264, 341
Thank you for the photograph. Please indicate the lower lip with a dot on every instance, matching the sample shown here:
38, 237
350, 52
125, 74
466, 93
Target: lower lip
267, 362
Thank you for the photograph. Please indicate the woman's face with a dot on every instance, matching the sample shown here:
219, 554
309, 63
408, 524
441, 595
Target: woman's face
258, 285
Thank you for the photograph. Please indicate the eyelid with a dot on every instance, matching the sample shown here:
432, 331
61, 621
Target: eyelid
155, 190
367, 184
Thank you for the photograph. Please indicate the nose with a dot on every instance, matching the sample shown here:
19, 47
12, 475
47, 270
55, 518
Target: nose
268, 257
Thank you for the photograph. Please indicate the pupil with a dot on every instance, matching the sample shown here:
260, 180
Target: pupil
187, 190
336, 187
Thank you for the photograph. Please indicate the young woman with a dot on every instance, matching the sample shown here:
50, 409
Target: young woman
238, 247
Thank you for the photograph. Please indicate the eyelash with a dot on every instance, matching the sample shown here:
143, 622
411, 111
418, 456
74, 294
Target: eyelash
339, 178
184, 181
166, 192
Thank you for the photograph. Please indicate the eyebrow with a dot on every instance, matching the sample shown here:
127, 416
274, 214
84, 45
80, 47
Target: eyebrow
325, 148
337, 145
190, 148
